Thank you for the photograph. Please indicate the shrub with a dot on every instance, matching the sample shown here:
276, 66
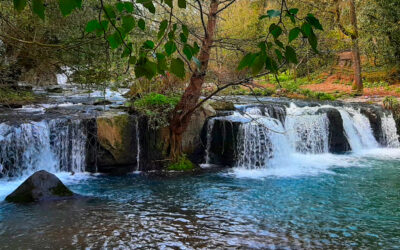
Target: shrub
182, 164
156, 107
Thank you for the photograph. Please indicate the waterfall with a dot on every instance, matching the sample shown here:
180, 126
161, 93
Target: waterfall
52, 145
390, 136
137, 144
307, 129
357, 129
271, 136
210, 126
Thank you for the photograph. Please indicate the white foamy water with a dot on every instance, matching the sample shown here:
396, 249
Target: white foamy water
300, 145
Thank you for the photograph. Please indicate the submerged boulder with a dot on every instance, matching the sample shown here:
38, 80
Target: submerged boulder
41, 186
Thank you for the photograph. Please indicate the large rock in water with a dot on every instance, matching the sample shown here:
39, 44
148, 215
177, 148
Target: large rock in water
41, 186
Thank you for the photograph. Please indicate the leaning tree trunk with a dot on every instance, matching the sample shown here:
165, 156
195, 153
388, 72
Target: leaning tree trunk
186, 106
358, 84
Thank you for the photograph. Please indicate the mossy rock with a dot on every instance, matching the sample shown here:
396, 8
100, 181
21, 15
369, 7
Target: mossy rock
222, 105
41, 186
183, 164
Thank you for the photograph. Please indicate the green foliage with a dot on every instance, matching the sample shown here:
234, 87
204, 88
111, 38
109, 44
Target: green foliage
391, 103
317, 95
11, 96
182, 164
156, 107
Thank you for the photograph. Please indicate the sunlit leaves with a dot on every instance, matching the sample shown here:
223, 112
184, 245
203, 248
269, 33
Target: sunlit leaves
148, 44
145, 67
246, 61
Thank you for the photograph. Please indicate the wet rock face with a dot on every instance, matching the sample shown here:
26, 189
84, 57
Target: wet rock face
116, 136
41, 186
224, 142
337, 140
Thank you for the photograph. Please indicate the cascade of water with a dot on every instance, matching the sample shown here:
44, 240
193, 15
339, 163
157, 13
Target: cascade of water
307, 129
210, 126
55, 145
390, 136
137, 144
357, 129
259, 141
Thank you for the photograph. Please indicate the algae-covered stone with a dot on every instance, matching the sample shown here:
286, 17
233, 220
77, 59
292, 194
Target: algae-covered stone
116, 134
222, 105
40, 186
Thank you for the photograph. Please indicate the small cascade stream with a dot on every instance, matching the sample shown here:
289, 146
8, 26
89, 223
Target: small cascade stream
268, 139
54, 145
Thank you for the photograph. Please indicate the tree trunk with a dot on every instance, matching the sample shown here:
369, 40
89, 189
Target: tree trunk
358, 84
185, 108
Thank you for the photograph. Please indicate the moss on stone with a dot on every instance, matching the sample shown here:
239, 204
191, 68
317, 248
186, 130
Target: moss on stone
14, 97
182, 164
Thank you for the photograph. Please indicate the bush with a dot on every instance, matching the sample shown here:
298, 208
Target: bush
157, 108
182, 164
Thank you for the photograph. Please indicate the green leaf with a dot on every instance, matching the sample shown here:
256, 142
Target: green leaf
141, 24
148, 44
182, 4
187, 50
162, 28
262, 46
128, 7
148, 4
128, 22
314, 21
258, 63
145, 68
279, 43
161, 63
109, 12
38, 8
19, 5
67, 6
275, 30
195, 48
185, 30
293, 34
312, 39
114, 40
273, 13
169, 3
294, 11
178, 67
279, 55
92, 26
271, 65
104, 24
262, 17
306, 29
246, 61
120, 6
183, 37
170, 47
290, 55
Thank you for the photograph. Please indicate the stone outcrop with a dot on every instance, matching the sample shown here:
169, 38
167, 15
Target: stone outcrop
117, 145
337, 140
41, 186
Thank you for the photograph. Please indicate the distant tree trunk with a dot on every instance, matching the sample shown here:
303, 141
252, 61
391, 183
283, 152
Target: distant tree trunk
353, 34
358, 84
185, 108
